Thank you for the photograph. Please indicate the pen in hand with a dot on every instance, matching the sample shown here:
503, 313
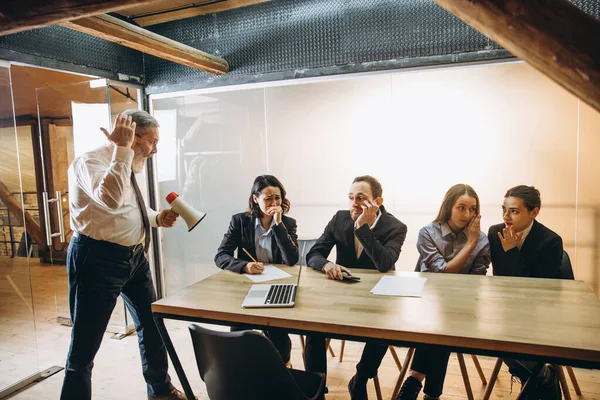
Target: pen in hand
254, 268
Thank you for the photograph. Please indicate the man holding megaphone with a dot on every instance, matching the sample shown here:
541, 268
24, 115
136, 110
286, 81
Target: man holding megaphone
107, 255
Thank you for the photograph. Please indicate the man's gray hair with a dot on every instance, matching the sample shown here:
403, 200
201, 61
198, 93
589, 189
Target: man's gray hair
141, 118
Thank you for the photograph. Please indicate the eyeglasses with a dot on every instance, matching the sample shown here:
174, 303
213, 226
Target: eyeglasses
153, 144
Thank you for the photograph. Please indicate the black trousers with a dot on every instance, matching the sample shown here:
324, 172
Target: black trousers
432, 363
316, 356
98, 273
279, 338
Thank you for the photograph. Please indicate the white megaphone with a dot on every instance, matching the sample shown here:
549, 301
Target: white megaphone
190, 215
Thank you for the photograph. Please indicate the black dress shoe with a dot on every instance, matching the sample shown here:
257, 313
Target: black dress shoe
410, 389
358, 388
549, 386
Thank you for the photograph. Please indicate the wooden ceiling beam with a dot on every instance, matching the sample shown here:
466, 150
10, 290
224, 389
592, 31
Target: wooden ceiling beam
553, 36
187, 12
126, 34
22, 15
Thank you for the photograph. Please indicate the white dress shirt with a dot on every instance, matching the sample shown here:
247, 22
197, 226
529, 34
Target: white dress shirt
525, 234
263, 240
102, 201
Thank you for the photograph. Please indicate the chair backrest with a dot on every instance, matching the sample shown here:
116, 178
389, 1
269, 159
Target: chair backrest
242, 365
304, 245
566, 269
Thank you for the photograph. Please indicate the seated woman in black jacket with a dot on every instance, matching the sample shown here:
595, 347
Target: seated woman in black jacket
268, 235
521, 246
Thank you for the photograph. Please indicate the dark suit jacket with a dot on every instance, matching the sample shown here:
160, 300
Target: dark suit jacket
284, 243
381, 245
539, 257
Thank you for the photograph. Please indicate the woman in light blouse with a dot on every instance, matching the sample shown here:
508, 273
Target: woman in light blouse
453, 243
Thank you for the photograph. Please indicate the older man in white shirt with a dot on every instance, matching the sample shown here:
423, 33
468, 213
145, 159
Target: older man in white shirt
107, 255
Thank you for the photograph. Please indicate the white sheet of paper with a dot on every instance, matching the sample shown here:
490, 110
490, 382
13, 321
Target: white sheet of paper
407, 286
270, 273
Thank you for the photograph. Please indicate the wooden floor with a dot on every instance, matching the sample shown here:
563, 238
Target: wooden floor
30, 339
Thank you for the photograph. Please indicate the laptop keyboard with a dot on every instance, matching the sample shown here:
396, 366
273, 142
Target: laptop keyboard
280, 294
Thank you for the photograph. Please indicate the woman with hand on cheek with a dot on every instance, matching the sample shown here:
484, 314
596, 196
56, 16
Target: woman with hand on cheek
261, 235
453, 243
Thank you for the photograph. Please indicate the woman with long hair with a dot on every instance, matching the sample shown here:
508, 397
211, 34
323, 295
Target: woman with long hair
453, 243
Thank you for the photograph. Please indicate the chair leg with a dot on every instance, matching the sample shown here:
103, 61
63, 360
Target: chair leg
574, 381
479, 370
403, 372
377, 388
329, 348
342, 350
563, 382
493, 379
303, 350
396, 359
465, 376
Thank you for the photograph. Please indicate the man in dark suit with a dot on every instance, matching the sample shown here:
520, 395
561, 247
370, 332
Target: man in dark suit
366, 236
523, 247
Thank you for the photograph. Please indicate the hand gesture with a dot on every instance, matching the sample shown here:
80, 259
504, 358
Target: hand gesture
167, 218
509, 238
123, 133
254, 268
334, 271
369, 214
473, 229
276, 212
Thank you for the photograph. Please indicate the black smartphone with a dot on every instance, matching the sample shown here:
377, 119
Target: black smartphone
353, 278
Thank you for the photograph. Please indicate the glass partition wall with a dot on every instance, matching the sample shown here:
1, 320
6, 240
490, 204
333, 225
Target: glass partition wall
45, 123
18, 336
493, 127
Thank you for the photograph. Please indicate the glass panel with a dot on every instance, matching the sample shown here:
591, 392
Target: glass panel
316, 147
124, 98
70, 117
587, 260
18, 346
493, 127
211, 149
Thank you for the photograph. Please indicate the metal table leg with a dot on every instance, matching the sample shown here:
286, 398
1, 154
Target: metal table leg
160, 324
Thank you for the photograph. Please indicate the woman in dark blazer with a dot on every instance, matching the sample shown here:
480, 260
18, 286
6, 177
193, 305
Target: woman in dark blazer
523, 247
268, 235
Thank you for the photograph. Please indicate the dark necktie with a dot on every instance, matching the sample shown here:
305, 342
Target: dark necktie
140, 201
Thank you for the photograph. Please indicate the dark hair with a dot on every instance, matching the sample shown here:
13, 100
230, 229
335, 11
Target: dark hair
529, 195
450, 198
260, 183
376, 189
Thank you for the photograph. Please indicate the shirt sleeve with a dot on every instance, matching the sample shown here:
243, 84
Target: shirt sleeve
103, 183
431, 257
152, 217
483, 259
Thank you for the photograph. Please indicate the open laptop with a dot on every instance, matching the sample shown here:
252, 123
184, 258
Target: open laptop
273, 295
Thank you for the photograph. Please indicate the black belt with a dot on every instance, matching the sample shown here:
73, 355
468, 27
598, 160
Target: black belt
84, 238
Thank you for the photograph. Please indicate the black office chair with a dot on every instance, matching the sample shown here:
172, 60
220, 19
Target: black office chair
566, 269
244, 365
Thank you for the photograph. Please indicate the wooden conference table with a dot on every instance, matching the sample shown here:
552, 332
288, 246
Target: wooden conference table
540, 319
